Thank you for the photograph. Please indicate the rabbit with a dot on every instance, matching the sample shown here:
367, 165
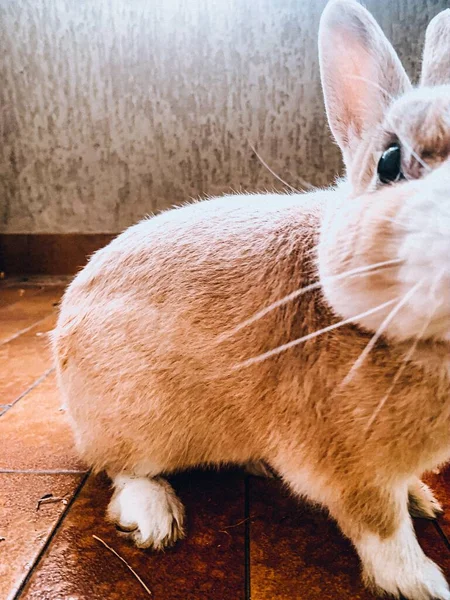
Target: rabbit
308, 332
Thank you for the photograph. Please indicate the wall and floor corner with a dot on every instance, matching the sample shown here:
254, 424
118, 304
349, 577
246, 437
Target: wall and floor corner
112, 110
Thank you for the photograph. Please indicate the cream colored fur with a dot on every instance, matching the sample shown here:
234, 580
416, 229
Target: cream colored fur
147, 365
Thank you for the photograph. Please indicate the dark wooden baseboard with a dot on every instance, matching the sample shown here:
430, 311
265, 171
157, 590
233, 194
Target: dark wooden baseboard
48, 254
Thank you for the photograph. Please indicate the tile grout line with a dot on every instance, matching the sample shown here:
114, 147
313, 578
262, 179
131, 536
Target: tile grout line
25, 330
17, 300
39, 379
41, 282
50, 538
442, 534
35, 383
43, 472
247, 582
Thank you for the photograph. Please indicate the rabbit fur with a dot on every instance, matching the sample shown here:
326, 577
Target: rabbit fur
164, 366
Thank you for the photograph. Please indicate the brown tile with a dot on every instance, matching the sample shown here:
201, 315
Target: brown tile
209, 564
35, 433
11, 294
23, 314
433, 544
296, 552
440, 484
24, 528
24, 360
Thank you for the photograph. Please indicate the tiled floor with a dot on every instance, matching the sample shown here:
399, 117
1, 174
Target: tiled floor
247, 537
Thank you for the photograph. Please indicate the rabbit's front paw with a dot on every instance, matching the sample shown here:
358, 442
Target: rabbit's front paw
398, 566
146, 510
427, 583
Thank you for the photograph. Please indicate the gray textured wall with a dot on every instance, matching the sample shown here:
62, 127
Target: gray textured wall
111, 109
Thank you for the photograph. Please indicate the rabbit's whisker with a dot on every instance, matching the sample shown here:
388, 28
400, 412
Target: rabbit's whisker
405, 360
392, 220
374, 84
381, 329
408, 146
401, 138
358, 271
397, 376
414, 153
303, 182
406, 226
310, 336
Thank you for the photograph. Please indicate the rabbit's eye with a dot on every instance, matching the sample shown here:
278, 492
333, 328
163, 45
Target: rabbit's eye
390, 165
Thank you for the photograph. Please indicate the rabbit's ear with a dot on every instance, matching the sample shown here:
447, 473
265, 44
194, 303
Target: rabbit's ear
436, 54
360, 71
